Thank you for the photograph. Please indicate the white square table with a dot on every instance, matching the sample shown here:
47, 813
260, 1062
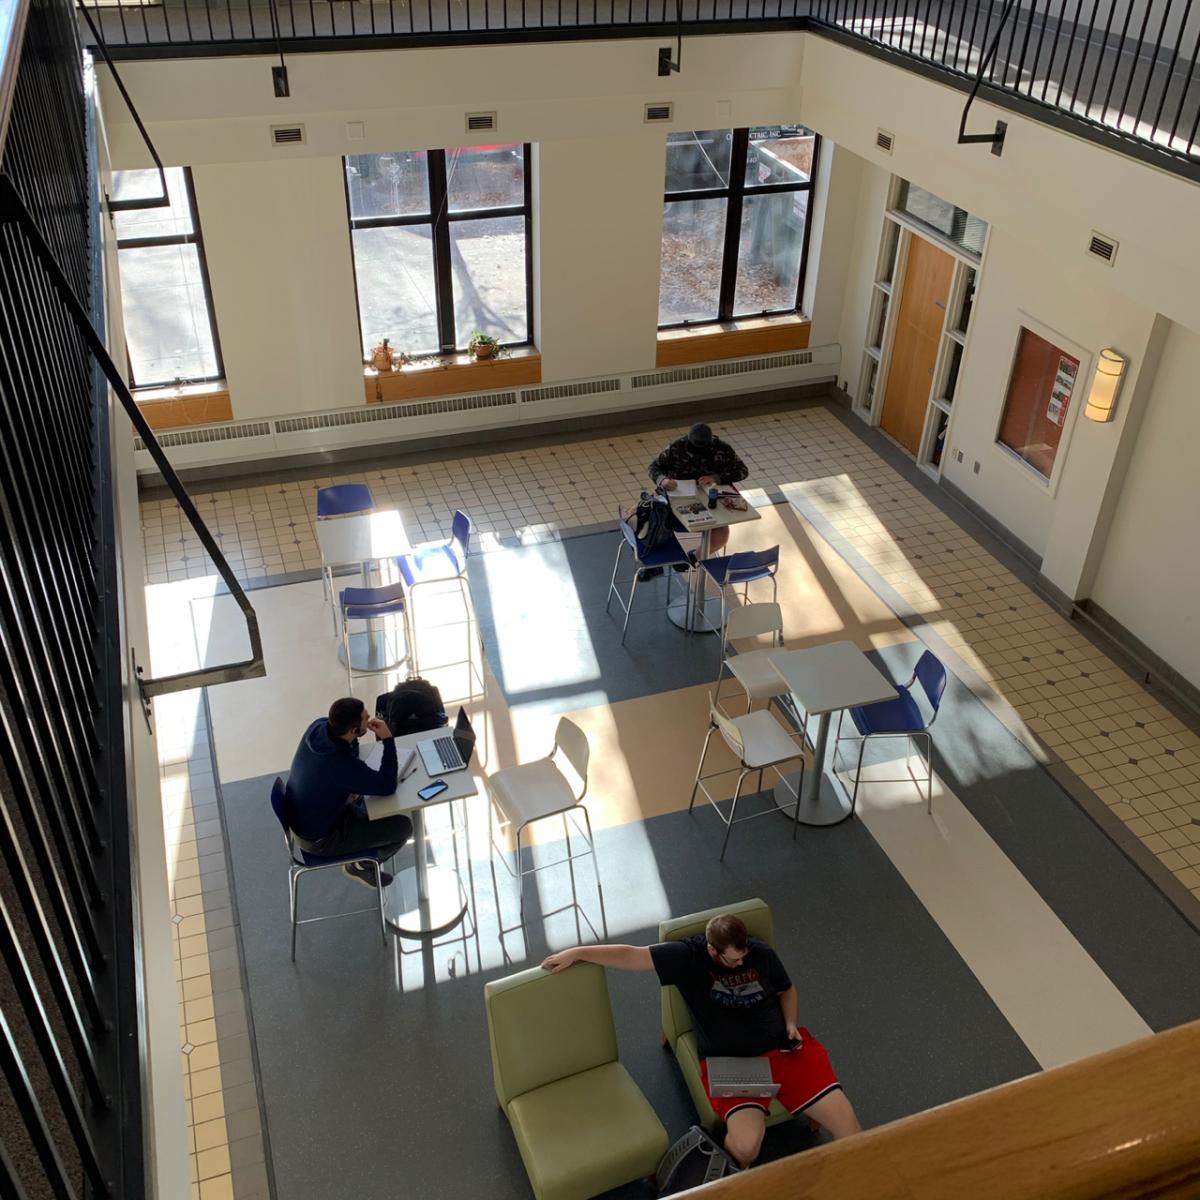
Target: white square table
697, 612
824, 680
425, 900
364, 539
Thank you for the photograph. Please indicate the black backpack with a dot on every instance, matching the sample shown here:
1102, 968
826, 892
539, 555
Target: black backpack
414, 706
652, 520
695, 1159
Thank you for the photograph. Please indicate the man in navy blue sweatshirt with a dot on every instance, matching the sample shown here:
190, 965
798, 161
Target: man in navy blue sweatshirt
327, 784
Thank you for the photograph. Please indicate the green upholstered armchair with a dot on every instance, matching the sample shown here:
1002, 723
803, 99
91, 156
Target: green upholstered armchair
677, 1021
581, 1123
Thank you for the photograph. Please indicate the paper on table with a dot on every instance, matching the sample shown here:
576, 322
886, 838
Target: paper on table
685, 487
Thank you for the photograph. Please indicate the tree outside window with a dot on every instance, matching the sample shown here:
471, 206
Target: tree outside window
441, 246
735, 222
170, 329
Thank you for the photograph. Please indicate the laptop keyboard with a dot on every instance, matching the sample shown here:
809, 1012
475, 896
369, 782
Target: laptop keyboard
447, 751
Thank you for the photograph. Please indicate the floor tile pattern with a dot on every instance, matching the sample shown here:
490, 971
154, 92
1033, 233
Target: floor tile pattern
1125, 744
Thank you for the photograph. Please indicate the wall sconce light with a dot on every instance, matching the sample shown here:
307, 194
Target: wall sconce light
1106, 383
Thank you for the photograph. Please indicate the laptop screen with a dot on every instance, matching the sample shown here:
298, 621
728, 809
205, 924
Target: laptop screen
464, 735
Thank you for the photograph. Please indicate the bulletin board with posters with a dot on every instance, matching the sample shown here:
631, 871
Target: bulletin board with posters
1042, 390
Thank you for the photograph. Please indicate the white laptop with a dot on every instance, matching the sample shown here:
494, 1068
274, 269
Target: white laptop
448, 752
741, 1077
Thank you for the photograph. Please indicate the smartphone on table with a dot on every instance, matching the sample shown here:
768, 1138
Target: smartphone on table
436, 788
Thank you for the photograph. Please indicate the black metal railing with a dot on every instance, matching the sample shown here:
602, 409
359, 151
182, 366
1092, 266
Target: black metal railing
1124, 71
1124, 68
70, 1044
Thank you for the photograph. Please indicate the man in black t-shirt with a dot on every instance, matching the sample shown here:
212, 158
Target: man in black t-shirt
743, 1004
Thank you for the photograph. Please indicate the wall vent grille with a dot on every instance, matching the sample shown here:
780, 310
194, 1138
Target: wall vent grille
481, 122
1103, 247
884, 141
394, 412
799, 358
213, 433
560, 391
287, 135
658, 112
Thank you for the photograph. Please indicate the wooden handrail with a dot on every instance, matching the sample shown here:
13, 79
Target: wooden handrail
1120, 1125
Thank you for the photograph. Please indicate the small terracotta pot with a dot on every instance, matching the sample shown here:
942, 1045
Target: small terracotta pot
484, 350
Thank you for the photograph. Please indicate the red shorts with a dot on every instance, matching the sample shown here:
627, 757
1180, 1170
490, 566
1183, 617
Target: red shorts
803, 1075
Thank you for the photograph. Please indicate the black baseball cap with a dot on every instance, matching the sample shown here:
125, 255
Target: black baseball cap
700, 434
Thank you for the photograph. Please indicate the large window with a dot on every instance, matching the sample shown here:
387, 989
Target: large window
735, 225
441, 246
170, 333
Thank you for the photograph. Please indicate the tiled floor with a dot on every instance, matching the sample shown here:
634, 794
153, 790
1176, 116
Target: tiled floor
225, 1138
1139, 758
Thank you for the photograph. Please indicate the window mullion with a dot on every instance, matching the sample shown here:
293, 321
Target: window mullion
733, 221
443, 278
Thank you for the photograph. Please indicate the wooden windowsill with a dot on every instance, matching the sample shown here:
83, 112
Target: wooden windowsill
450, 376
188, 404
732, 339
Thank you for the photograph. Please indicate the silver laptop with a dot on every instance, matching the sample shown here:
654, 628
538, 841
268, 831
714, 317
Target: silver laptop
449, 752
741, 1077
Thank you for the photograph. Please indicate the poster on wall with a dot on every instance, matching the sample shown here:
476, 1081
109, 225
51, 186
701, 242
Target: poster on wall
1060, 391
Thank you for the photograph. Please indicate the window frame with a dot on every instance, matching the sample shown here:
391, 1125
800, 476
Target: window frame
735, 195
194, 238
439, 217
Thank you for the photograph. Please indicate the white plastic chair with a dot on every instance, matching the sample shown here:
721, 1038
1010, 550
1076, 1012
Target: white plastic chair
537, 790
752, 668
760, 743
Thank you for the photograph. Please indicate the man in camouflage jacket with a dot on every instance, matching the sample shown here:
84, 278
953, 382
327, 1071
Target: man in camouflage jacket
708, 460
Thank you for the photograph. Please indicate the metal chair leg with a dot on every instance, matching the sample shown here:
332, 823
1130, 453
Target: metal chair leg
379, 892
294, 881
700, 766
862, 746
799, 793
629, 604
737, 791
591, 837
929, 764
612, 583
521, 877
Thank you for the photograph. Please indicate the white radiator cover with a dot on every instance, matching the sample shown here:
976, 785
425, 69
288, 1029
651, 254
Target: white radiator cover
384, 425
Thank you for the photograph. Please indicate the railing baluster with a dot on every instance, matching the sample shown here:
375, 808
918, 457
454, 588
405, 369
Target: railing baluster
1137, 58
47, 1042
1112, 75
27, 1104
1162, 100
1070, 50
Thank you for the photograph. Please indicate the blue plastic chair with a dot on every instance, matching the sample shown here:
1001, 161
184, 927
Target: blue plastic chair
731, 571
668, 555
368, 604
447, 563
301, 862
901, 717
343, 500
439, 563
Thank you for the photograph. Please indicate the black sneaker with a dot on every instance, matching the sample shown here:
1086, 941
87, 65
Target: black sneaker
649, 573
687, 566
363, 872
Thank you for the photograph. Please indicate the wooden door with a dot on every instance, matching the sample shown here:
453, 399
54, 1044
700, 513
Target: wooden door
925, 293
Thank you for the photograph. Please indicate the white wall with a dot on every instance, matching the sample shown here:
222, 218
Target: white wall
162, 1078
1048, 188
274, 218
1149, 576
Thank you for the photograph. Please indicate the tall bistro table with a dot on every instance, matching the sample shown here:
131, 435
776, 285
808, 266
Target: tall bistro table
424, 900
697, 612
824, 680
366, 539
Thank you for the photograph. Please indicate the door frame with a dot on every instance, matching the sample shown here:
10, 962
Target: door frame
881, 358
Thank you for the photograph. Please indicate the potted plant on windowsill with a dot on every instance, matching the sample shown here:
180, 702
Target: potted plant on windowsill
483, 347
